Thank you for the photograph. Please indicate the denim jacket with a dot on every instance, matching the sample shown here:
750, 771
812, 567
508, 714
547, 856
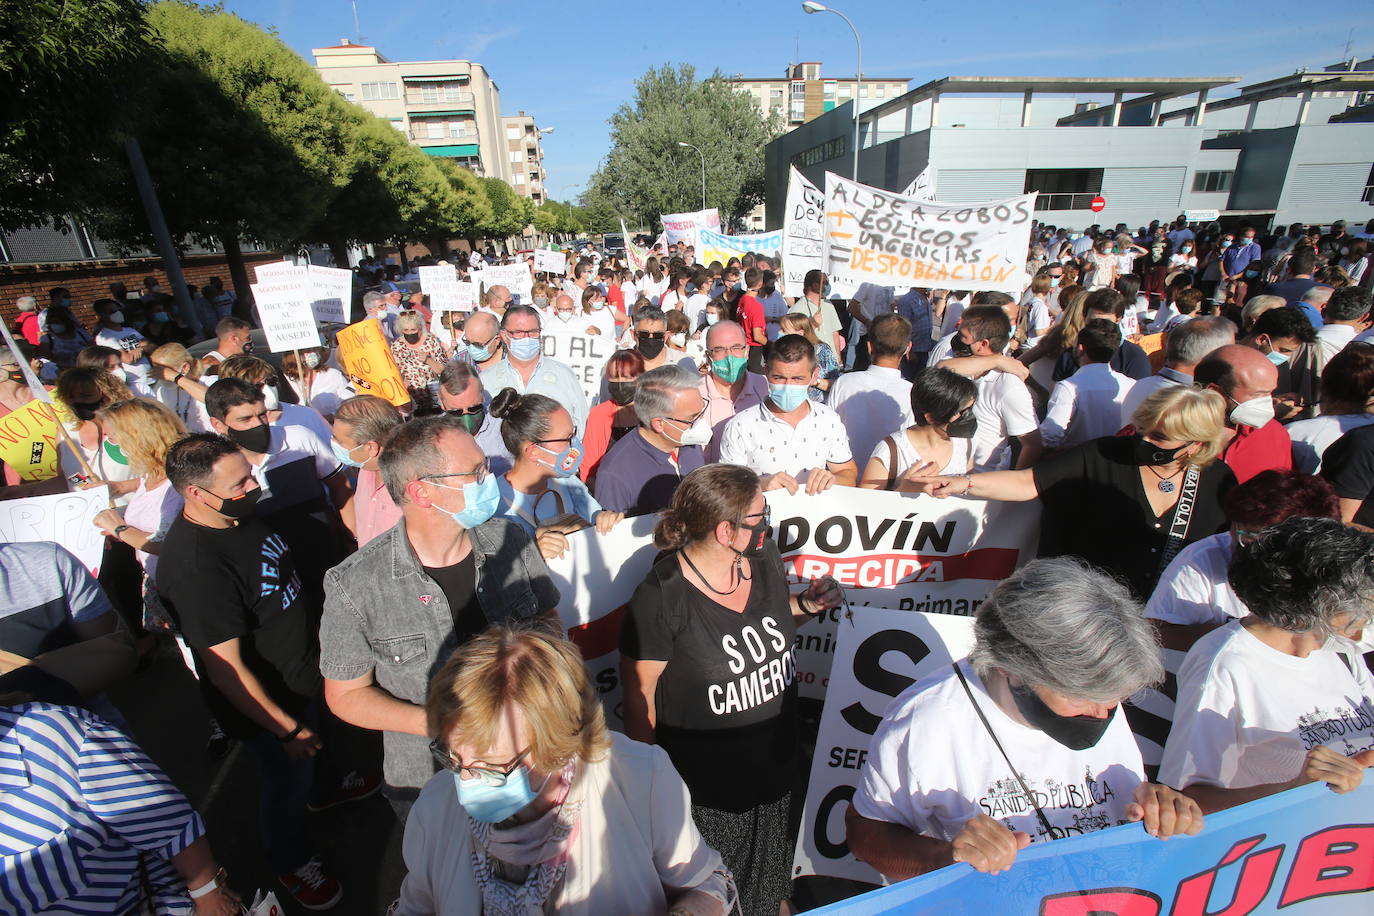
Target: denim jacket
384, 614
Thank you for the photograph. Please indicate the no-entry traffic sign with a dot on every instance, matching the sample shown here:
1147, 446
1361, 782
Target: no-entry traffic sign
1099, 203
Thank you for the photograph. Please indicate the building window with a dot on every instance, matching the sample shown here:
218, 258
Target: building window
453, 92
373, 92
1368, 195
1064, 189
881, 90
517, 156
513, 133
435, 129
1212, 182
348, 96
798, 89
846, 90
519, 178
457, 129
775, 93
830, 149
399, 125
829, 89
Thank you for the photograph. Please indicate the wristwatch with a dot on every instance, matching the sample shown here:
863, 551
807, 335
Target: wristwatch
120, 529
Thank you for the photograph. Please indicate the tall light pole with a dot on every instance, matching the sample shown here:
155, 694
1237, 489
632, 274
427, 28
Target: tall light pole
810, 6
703, 171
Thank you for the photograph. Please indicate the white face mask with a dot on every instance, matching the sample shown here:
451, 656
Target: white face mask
312, 360
1255, 412
117, 316
699, 433
269, 397
678, 340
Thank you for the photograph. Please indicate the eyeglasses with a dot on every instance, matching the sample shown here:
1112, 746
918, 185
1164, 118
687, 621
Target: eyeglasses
472, 411
651, 335
517, 335
1245, 537
487, 774
478, 474
568, 438
722, 352
766, 516
686, 422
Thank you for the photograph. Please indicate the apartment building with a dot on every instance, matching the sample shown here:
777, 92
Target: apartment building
802, 94
525, 153
449, 108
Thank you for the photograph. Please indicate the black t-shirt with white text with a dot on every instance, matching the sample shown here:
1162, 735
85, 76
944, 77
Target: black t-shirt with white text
241, 583
726, 702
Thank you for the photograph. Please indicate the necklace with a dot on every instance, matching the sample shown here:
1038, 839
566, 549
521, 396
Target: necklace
738, 575
1166, 485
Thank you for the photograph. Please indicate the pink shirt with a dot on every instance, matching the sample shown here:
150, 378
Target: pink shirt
719, 408
373, 510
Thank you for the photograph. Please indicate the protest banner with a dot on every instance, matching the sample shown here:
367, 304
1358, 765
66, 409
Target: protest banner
446, 293
1306, 852
279, 270
803, 230
596, 577
682, 227
331, 293
29, 438
63, 518
462, 300
368, 363
717, 246
637, 255
585, 354
514, 277
881, 653
877, 236
285, 313
922, 187
550, 260
907, 552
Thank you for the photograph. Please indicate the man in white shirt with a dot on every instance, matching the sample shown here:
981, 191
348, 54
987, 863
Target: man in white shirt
1180, 234
1185, 347
111, 332
1087, 404
528, 371
1084, 243
877, 401
868, 302
1346, 314
790, 438
581, 279
568, 320
1004, 407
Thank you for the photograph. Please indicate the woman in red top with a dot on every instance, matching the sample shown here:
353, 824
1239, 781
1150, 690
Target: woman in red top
609, 420
749, 313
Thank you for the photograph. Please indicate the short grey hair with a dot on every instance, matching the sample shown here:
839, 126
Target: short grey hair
1062, 624
412, 452
26, 304
1302, 573
655, 390
457, 376
1317, 295
1193, 340
372, 298
650, 313
715, 330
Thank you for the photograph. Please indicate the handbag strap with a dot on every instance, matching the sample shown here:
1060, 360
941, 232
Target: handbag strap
1030, 796
1183, 515
892, 459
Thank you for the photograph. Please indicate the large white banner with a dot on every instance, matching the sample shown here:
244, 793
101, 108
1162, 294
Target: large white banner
803, 230
717, 246
285, 312
881, 237
908, 552
922, 187
682, 227
585, 354
880, 653
514, 277
63, 518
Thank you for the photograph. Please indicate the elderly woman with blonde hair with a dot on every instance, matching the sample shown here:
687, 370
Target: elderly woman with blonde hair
420, 356
539, 808
1127, 504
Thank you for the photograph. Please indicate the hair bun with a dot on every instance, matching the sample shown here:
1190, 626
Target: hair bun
506, 402
670, 533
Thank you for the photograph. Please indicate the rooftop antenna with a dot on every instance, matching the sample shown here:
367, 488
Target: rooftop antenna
357, 29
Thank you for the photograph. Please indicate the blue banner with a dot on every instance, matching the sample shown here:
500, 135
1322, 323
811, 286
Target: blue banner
1305, 851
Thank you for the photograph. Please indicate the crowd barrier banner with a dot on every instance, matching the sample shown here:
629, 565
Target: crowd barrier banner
368, 363
803, 231
717, 246
285, 312
1305, 852
550, 260
29, 439
514, 277
63, 518
584, 354
682, 227
907, 552
881, 652
881, 237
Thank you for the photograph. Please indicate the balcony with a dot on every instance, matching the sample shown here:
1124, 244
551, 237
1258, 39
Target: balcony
461, 100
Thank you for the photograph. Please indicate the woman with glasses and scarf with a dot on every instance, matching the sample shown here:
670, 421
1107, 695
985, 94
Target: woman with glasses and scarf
539, 808
1032, 747
542, 491
708, 671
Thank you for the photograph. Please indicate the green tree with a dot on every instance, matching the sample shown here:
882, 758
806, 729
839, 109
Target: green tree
555, 218
63, 66
598, 212
510, 213
647, 172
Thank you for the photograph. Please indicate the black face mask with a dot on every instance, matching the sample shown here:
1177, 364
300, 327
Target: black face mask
413, 337
758, 535
650, 348
84, 412
239, 507
255, 440
960, 347
963, 427
622, 393
1146, 452
1077, 733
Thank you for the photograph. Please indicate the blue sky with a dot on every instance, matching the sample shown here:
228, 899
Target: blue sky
571, 64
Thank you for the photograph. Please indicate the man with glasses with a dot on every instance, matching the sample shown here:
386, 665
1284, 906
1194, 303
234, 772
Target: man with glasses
482, 340
728, 387
641, 472
462, 396
401, 605
526, 369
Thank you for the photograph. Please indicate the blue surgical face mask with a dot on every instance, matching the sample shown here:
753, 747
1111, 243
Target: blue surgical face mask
525, 348
712, 318
1276, 357
1054, 281
493, 804
345, 455
480, 502
787, 397
161, 316
479, 354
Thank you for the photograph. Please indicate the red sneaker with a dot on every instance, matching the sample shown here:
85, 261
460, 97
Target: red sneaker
353, 787
311, 887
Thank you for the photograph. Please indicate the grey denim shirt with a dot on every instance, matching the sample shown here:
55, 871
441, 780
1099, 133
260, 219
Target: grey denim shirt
383, 614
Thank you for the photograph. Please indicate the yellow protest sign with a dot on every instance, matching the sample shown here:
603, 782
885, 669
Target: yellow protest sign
368, 362
29, 438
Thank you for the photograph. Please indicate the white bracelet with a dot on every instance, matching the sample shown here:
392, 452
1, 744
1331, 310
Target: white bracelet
206, 888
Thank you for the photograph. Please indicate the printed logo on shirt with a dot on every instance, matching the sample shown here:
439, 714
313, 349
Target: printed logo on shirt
272, 551
1354, 726
426, 599
1004, 799
769, 677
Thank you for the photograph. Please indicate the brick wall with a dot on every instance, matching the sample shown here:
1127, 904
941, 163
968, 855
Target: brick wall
90, 280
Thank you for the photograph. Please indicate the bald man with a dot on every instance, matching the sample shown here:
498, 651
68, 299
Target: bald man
482, 334
1247, 379
496, 300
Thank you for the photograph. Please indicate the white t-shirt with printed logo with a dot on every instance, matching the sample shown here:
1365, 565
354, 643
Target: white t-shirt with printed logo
1247, 714
934, 787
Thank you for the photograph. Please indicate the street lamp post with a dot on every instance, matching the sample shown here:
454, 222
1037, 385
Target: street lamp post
810, 6
703, 171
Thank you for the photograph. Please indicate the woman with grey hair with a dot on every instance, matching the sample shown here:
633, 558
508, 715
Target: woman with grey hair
1281, 698
1032, 747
